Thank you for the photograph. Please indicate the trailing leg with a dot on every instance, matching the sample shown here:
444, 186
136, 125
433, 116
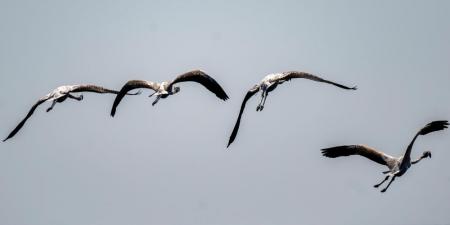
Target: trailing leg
156, 100
390, 182
264, 102
78, 98
385, 179
259, 107
51, 107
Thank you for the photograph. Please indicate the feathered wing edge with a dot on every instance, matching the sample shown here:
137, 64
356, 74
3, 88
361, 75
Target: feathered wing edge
297, 74
130, 85
204, 79
367, 152
98, 89
429, 128
249, 94
30, 112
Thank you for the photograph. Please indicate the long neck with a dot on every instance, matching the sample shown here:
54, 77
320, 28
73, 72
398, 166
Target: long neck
417, 160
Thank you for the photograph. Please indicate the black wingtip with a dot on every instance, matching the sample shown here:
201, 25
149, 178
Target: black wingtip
324, 152
7, 138
223, 95
330, 152
434, 126
230, 141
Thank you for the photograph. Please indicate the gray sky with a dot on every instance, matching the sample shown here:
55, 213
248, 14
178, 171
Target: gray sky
168, 165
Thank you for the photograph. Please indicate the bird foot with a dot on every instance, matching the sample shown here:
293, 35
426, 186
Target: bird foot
137, 93
80, 98
376, 185
384, 190
49, 109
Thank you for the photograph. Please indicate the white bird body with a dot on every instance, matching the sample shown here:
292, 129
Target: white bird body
272, 78
60, 91
162, 89
269, 82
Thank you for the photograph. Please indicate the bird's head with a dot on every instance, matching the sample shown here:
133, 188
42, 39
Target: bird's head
176, 90
426, 154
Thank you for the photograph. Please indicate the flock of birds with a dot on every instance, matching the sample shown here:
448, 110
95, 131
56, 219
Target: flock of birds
397, 165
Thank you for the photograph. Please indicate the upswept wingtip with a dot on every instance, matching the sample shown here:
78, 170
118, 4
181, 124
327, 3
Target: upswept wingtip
434, 126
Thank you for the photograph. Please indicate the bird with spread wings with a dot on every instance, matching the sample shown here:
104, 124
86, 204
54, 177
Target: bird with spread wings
167, 88
397, 165
59, 95
268, 84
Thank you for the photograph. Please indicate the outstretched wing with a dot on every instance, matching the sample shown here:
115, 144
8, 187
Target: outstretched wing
130, 85
20, 125
93, 88
431, 127
202, 78
249, 94
96, 89
295, 74
370, 153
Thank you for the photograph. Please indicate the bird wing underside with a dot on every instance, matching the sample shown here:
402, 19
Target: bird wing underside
130, 85
204, 79
429, 128
249, 94
30, 112
370, 153
296, 74
93, 88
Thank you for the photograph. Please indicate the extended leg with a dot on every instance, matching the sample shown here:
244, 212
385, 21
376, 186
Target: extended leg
385, 179
51, 107
152, 94
259, 107
78, 98
264, 102
156, 101
390, 182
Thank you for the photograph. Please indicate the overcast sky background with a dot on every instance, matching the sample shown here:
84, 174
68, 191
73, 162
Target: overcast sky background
168, 165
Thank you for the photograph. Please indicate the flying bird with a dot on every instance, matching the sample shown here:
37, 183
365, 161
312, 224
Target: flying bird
59, 95
397, 165
268, 84
167, 88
